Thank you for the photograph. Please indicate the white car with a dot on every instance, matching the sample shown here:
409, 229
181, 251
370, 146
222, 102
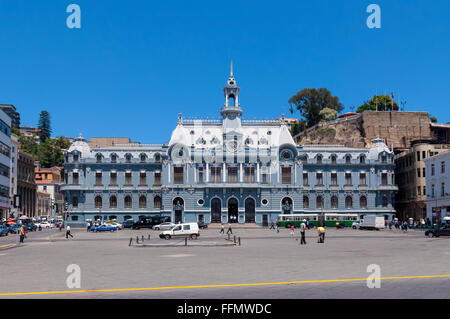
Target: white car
117, 225
163, 226
181, 230
45, 225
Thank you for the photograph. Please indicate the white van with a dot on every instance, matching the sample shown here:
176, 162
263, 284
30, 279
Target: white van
181, 230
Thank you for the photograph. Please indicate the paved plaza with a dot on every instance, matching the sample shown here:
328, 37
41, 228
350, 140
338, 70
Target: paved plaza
275, 261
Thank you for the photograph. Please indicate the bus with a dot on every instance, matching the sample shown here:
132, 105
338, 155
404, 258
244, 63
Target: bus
288, 220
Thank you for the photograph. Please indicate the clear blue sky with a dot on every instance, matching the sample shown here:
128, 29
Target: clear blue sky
135, 64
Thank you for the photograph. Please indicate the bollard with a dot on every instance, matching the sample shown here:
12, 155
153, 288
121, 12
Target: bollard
137, 240
142, 238
148, 236
228, 236
234, 239
131, 241
239, 240
185, 241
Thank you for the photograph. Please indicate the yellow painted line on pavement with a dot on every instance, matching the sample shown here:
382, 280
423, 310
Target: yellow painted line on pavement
7, 245
55, 235
215, 286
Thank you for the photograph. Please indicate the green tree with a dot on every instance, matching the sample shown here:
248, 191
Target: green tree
309, 102
380, 103
298, 127
433, 119
328, 114
44, 126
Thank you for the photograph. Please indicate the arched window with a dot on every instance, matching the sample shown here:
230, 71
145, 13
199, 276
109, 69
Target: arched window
334, 202
319, 159
231, 100
127, 201
98, 201
384, 201
362, 159
142, 157
128, 157
305, 202
348, 159
319, 202
157, 157
74, 201
99, 158
113, 201
113, 158
142, 201
363, 202
333, 159
348, 202
157, 202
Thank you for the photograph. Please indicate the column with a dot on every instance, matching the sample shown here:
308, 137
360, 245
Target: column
207, 173
257, 172
223, 174
241, 173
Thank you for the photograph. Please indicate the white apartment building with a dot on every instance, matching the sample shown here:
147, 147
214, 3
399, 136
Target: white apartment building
438, 184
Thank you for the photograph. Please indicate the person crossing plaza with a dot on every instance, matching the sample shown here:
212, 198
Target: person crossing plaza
321, 234
302, 232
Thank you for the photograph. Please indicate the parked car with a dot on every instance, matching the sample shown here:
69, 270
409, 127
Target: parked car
31, 227
103, 228
115, 224
181, 230
4, 231
444, 230
45, 225
202, 225
148, 222
163, 226
128, 223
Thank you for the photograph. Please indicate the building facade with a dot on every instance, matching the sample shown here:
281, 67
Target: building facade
11, 111
49, 181
438, 183
5, 162
13, 171
26, 186
411, 178
227, 170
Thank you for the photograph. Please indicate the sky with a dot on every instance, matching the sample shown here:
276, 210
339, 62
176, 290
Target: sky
134, 65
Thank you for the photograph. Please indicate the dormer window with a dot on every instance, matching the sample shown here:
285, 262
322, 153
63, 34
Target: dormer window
142, 157
99, 158
362, 159
383, 159
128, 158
319, 159
75, 158
157, 157
348, 159
333, 159
286, 155
113, 158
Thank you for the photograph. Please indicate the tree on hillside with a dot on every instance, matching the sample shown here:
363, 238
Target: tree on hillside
380, 103
44, 126
328, 114
433, 119
309, 102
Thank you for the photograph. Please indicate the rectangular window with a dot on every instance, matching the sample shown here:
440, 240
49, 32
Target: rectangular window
113, 179
442, 167
362, 179
424, 190
432, 169
319, 179
285, 175
143, 178
178, 175
348, 179
333, 179
215, 174
157, 177
418, 172
249, 174
75, 178
418, 191
233, 175
432, 190
442, 189
423, 172
200, 175
128, 177
264, 175
418, 156
305, 179
384, 179
98, 178
423, 154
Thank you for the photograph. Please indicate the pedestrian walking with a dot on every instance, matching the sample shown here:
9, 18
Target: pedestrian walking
307, 223
278, 227
22, 233
229, 229
302, 233
88, 226
68, 232
292, 231
321, 234
272, 225
390, 225
222, 231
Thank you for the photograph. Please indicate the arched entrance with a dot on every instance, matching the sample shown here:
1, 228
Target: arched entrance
249, 210
233, 210
286, 205
178, 207
216, 210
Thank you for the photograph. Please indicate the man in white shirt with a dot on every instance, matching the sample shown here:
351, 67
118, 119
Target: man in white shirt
68, 232
302, 233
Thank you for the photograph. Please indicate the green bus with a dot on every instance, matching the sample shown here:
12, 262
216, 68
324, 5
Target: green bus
288, 220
